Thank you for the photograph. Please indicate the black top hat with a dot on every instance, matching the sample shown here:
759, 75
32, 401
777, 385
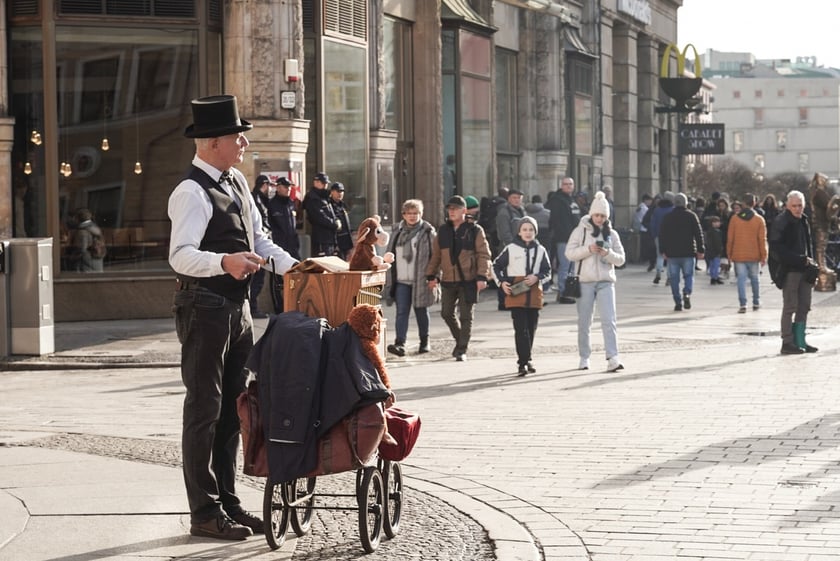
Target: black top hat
214, 116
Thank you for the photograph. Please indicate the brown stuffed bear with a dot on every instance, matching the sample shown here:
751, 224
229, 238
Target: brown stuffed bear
366, 322
364, 256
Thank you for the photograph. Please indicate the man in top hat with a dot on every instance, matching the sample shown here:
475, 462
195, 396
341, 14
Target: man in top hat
322, 218
217, 244
460, 262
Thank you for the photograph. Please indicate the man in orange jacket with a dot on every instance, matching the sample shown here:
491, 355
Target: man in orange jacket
746, 247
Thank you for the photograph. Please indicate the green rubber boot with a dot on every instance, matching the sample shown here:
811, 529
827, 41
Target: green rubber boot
799, 337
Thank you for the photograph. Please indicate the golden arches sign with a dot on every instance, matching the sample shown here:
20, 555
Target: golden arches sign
666, 60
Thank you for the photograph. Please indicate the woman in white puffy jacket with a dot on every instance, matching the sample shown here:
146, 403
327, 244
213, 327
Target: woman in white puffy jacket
596, 250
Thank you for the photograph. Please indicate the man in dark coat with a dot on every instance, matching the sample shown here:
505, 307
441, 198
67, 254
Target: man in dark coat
262, 186
791, 257
320, 215
565, 215
681, 241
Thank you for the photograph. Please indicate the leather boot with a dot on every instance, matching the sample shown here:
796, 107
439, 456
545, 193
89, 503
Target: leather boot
424, 346
799, 337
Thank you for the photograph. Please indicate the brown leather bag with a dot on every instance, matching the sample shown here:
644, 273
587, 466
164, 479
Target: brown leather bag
251, 427
532, 298
352, 442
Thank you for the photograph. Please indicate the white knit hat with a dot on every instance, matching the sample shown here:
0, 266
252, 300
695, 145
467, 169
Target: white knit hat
600, 205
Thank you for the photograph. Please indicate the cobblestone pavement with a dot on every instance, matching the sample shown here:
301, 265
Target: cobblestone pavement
708, 446
430, 529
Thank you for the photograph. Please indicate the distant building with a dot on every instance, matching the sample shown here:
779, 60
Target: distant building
781, 115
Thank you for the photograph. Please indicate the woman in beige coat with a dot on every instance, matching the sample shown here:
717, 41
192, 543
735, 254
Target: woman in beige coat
596, 249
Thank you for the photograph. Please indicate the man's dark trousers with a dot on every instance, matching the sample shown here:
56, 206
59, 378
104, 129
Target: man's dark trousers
216, 336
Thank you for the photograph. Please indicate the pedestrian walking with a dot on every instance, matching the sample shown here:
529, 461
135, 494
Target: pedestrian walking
262, 186
714, 249
565, 215
746, 243
344, 236
460, 264
663, 207
597, 250
321, 217
216, 245
405, 285
682, 243
794, 270
524, 262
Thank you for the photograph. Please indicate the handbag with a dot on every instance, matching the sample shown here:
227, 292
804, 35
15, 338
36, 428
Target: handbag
571, 288
251, 427
404, 427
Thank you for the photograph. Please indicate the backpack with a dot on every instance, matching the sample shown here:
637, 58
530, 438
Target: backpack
97, 248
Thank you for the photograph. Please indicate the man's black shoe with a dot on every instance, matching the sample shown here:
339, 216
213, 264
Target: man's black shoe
248, 520
791, 349
523, 370
650, 268
656, 279
461, 357
565, 300
677, 307
220, 528
687, 302
530, 367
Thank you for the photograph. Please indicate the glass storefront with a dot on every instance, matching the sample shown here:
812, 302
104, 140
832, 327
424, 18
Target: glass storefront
466, 100
345, 123
115, 116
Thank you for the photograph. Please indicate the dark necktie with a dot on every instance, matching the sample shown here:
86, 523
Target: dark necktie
227, 178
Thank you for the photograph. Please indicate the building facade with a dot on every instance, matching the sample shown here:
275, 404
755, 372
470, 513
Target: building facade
394, 98
781, 116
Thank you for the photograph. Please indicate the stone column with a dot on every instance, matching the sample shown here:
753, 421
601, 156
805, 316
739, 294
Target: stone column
648, 180
625, 111
428, 130
542, 114
259, 37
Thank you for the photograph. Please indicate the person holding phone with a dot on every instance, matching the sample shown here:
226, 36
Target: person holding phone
596, 249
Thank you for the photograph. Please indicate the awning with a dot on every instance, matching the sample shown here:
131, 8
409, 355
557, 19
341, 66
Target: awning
458, 11
573, 44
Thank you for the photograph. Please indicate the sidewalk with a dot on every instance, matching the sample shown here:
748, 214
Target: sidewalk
708, 445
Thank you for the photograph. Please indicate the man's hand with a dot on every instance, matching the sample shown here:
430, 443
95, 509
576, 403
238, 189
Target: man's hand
481, 285
240, 265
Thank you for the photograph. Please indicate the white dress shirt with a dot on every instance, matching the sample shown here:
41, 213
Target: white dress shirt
190, 210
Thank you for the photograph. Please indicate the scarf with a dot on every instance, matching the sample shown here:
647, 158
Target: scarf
406, 235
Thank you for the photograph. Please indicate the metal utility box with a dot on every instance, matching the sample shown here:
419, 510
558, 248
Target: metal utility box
29, 281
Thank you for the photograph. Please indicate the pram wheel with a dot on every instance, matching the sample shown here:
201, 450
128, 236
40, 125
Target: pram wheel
371, 497
275, 514
301, 490
393, 481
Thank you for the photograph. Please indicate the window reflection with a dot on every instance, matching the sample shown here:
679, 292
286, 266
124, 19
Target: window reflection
133, 87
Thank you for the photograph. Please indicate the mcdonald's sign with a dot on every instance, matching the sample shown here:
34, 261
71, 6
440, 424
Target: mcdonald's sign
679, 88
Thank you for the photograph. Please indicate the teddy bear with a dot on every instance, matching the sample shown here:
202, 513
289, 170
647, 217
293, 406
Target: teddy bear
364, 256
366, 322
